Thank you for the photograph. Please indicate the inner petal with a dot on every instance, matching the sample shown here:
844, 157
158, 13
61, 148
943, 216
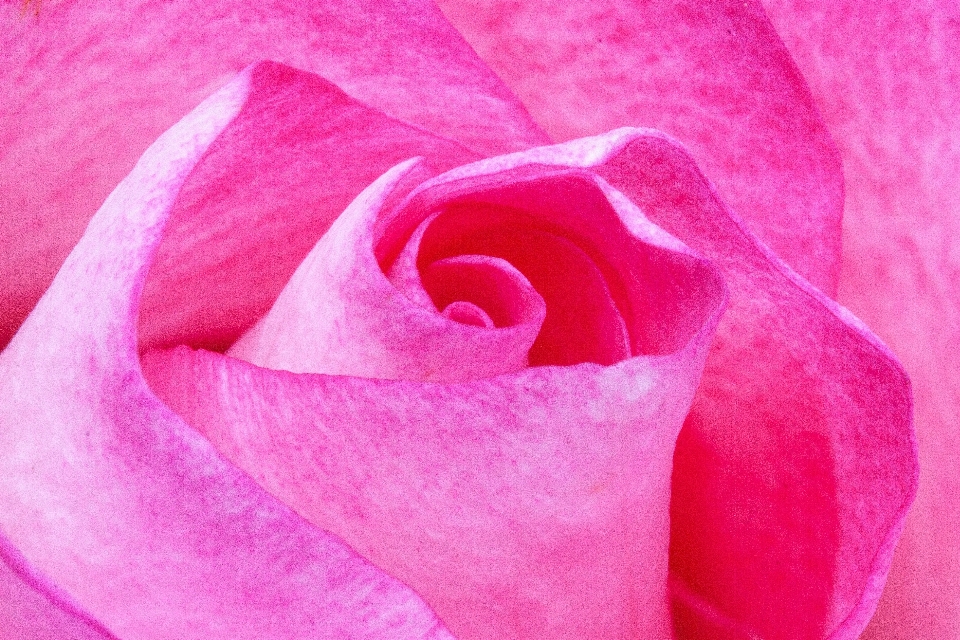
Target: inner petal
489, 283
582, 324
660, 290
467, 313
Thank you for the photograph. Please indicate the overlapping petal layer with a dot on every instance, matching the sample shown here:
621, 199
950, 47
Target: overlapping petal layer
886, 76
111, 497
797, 464
89, 85
799, 548
531, 504
714, 74
794, 548
272, 184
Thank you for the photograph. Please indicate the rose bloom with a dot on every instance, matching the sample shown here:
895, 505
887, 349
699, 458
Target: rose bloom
532, 337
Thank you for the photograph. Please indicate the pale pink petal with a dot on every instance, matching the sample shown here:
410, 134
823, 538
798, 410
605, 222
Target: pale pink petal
531, 504
886, 76
109, 495
713, 74
341, 315
32, 609
88, 85
797, 464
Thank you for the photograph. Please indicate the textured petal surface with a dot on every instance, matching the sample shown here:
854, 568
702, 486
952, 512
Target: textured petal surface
525, 505
341, 315
297, 154
89, 85
713, 74
31, 609
886, 76
109, 495
795, 469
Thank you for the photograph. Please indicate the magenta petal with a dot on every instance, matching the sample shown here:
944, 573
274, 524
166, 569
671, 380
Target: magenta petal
527, 505
533, 505
492, 285
886, 76
713, 74
797, 464
268, 188
109, 495
89, 85
340, 314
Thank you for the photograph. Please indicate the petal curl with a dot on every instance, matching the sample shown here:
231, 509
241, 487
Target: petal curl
109, 495
340, 314
525, 505
268, 187
89, 85
886, 76
797, 464
714, 74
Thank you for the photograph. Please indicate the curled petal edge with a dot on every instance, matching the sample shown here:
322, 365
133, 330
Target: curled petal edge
89, 451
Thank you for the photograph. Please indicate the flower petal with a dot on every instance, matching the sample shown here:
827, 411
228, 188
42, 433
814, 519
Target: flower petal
886, 76
297, 154
797, 464
340, 314
108, 494
714, 74
31, 609
89, 85
527, 505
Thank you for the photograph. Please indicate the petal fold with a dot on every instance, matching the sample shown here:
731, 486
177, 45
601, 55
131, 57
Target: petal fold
886, 76
713, 74
109, 495
296, 155
89, 85
31, 609
797, 463
531, 504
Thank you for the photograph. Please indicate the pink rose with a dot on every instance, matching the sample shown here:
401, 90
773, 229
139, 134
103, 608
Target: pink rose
533, 503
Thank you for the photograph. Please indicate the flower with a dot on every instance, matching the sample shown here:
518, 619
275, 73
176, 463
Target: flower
661, 179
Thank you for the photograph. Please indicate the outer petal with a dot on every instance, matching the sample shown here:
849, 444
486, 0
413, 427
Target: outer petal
113, 498
89, 85
714, 74
795, 469
886, 76
527, 505
31, 609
